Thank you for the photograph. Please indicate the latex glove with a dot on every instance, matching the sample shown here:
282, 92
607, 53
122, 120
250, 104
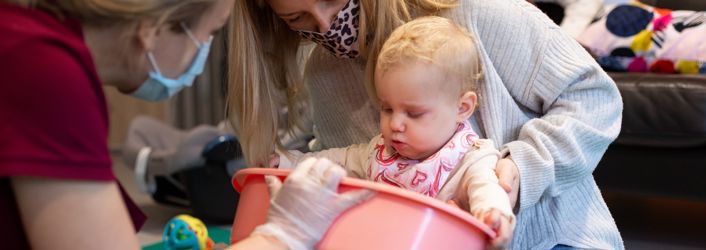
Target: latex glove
509, 178
188, 152
303, 208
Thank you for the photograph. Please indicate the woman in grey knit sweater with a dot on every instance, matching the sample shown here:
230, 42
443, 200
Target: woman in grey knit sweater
550, 109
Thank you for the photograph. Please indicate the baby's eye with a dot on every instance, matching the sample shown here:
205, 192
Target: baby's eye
415, 114
386, 110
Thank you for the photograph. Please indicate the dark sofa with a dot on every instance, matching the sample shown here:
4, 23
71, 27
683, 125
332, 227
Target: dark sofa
661, 149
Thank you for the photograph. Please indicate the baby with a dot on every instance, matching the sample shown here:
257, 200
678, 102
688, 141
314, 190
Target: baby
424, 81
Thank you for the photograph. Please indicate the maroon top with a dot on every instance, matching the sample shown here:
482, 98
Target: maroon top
53, 115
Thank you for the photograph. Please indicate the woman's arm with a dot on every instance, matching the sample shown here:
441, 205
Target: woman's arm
570, 109
71, 214
564, 145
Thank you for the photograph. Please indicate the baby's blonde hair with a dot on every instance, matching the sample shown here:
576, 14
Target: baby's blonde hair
435, 40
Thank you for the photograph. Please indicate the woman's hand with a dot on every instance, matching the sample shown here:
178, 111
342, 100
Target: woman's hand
304, 206
509, 178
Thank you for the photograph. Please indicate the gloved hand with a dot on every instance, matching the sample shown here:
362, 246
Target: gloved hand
303, 208
188, 152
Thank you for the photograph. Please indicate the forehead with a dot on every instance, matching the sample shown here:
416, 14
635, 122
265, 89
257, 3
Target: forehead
408, 81
283, 7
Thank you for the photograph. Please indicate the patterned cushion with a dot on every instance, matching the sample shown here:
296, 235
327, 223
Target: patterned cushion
635, 37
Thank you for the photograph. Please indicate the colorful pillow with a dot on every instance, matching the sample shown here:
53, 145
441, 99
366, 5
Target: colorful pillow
636, 37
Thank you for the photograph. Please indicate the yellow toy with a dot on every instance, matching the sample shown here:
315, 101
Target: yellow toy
185, 232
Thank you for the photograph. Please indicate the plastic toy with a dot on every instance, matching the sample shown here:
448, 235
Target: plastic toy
185, 232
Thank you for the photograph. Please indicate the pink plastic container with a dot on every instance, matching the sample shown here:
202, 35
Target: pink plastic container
392, 219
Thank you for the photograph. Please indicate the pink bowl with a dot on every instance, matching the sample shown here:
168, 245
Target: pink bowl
392, 219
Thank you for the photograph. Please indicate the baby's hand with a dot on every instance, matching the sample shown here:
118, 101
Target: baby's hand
453, 203
274, 161
501, 225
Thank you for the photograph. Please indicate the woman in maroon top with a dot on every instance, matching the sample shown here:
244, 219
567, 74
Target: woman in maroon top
57, 188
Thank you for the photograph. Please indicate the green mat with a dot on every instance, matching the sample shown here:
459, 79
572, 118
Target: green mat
217, 234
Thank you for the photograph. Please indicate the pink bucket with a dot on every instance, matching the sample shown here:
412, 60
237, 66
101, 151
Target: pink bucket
392, 219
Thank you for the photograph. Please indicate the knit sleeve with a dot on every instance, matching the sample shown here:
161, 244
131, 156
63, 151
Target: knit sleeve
581, 116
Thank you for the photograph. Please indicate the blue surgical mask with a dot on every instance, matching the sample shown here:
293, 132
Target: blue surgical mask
158, 87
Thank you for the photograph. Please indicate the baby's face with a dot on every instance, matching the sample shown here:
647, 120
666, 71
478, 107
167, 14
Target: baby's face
416, 117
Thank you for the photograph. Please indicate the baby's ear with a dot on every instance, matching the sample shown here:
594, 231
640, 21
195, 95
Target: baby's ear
466, 106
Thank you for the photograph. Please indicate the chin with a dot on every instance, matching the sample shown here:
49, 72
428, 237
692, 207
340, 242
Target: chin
126, 89
413, 156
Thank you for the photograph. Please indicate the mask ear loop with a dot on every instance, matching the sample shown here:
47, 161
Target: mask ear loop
191, 35
153, 62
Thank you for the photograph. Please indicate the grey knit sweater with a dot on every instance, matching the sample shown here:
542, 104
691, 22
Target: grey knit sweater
544, 101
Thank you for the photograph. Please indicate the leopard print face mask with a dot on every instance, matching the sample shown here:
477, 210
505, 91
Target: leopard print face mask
341, 38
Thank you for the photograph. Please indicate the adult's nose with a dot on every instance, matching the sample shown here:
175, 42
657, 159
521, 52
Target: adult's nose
324, 18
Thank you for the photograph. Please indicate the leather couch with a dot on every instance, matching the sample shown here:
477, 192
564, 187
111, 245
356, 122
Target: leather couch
661, 149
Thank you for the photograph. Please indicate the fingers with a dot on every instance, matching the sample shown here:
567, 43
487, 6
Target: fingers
322, 172
352, 198
505, 175
273, 185
501, 226
303, 169
505, 186
503, 234
492, 219
508, 178
452, 203
332, 175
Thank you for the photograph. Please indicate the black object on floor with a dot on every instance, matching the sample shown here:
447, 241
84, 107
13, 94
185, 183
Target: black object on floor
211, 195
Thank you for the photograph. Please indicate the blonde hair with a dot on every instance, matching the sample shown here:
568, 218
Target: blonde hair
121, 12
437, 41
264, 74
124, 16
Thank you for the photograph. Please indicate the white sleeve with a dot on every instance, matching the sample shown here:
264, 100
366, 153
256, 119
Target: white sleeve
352, 158
480, 183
